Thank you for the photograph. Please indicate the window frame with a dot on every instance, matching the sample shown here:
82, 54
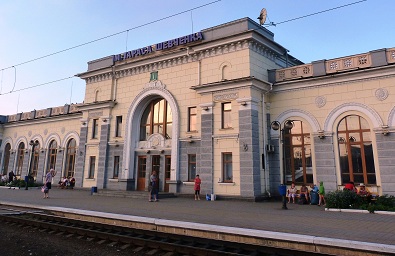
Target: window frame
116, 167
92, 167
191, 165
20, 158
353, 138
192, 119
225, 164
70, 158
95, 128
118, 126
226, 114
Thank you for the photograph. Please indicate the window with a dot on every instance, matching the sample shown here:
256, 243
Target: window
92, 164
70, 158
192, 112
116, 167
226, 115
52, 152
20, 158
95, 128
297, 149
35, 159
356, 150
157, 118
118, 126
153, 76
191, 167
227, 167
142, 166
6, 162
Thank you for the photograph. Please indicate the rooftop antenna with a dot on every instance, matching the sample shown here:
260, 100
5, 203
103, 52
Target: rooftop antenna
262, 16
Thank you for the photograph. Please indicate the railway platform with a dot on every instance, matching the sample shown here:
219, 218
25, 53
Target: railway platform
300, 223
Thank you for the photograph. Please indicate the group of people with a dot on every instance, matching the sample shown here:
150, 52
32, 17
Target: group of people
67, 182
361, 191
307, 196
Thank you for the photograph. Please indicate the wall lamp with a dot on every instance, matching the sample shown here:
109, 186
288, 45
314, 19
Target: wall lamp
205, 108
288, 125
385, 131
243, 103
321, 134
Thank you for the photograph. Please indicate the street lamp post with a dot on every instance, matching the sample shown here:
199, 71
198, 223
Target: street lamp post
288, 125
32, 143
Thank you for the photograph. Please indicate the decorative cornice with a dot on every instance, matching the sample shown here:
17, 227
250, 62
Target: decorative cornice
138, 67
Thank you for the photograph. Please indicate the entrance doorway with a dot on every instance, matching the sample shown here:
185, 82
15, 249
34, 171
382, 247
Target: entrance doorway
156, 167
167, 173
141, 172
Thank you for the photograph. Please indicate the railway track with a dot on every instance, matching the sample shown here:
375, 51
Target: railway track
136, 241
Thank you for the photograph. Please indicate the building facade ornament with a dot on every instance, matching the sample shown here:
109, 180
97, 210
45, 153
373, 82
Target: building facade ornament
381, 94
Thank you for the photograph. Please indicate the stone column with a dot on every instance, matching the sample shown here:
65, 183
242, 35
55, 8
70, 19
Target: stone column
250, 180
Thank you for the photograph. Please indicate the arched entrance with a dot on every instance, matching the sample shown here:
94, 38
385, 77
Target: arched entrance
151, 138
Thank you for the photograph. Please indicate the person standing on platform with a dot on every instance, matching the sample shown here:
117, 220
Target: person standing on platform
48, 181
11, 176
198, 181
153, 187
321, 191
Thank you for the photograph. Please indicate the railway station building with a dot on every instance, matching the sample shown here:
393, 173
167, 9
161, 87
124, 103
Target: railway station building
228, 103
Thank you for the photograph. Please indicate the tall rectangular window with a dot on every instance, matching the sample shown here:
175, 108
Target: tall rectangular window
227, 167
192, 114
226, 115
92, 164
95, 128
191, 167
118, 126
116, 167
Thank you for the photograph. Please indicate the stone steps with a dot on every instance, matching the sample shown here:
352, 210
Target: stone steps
131, 194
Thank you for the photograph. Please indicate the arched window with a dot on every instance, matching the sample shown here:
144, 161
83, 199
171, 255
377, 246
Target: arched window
157, 118
35, 158
356, 150
52, 151
297, 149
20, 157
6, 161
70, 158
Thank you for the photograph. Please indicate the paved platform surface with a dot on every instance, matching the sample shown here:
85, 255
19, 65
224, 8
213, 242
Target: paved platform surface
269, 216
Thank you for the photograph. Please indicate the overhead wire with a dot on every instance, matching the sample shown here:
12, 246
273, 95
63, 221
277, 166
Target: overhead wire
146, 24
105, 37
312, 14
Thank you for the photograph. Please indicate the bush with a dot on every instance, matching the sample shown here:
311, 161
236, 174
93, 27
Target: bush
350, 200
383, 203
343, 200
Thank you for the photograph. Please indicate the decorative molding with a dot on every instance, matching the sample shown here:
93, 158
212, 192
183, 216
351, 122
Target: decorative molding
229, 96
320, 101
352, 106
157, 84
381, 94
95, 114
291, 113
212, 51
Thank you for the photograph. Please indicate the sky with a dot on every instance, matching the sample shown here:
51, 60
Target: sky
30, 30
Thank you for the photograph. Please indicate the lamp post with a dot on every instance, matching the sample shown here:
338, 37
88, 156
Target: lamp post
32, 143
288, 125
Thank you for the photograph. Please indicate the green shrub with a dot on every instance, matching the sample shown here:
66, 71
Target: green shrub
343, 200
350, 200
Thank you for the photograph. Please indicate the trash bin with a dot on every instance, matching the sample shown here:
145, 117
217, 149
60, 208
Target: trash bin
93, 190
314, 197
282, 189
